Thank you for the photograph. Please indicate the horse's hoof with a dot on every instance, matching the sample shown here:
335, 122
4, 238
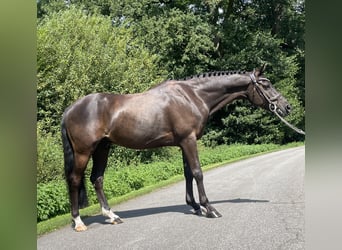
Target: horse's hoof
213, 214
80, 228
117, 221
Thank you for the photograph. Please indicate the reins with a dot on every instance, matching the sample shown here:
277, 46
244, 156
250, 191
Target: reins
272, 103
289, 124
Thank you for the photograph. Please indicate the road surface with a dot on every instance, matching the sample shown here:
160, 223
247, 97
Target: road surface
261, 200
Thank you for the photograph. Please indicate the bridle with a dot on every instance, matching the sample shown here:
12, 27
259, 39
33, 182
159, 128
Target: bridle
272, 101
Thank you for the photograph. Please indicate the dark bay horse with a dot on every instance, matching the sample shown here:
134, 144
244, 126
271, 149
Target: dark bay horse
173, 113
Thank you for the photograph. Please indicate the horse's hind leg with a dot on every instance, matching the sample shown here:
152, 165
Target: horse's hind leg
77, 190
100, 157
189, 194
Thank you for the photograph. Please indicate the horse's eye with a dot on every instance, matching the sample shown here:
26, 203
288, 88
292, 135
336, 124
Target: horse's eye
265, 84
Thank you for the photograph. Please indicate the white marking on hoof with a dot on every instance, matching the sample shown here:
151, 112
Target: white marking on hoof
114, 219
79, 225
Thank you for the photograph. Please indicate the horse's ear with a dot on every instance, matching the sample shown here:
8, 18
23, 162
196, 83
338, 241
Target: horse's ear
260, 71
263, 68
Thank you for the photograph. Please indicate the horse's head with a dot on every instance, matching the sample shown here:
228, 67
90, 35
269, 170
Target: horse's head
263, 94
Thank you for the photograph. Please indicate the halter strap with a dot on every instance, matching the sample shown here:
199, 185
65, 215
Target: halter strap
252, 76
255, 81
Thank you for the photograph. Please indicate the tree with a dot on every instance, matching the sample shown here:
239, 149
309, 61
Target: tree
180, 38
47, 7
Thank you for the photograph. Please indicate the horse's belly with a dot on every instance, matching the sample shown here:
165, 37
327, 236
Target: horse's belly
140, 132
142, 141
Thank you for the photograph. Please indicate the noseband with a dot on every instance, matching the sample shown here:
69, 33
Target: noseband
272, 105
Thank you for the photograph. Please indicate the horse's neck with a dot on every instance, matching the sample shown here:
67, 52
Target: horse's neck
217, 92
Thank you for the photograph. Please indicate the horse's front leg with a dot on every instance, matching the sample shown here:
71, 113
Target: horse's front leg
189, 148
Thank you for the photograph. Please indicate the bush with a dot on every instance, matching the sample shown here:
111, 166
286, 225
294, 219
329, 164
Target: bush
49, 157
229, 152
122, 157
52, 199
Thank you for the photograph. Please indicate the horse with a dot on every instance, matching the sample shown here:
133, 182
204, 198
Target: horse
172, 113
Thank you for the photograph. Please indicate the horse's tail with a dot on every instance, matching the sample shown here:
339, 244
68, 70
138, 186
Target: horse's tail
69, 162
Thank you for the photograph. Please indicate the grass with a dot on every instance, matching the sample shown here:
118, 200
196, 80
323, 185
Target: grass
65, 219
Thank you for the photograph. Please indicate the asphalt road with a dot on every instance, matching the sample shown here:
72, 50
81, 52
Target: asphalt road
261, 201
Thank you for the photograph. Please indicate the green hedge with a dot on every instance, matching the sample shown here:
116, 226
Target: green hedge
52, 197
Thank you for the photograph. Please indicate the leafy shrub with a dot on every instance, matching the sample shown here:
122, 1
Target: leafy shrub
49, 157
52, 199
122, 157
228, 152
114, 185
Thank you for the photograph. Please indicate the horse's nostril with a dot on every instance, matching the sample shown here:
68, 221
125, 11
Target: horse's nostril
288, 107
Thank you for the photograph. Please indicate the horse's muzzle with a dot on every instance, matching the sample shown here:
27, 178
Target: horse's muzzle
283, 110
282, 107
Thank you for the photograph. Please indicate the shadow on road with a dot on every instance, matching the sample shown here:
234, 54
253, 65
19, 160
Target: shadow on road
185, 209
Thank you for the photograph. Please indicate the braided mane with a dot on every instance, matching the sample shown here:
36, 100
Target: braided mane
214, 73
203, 75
